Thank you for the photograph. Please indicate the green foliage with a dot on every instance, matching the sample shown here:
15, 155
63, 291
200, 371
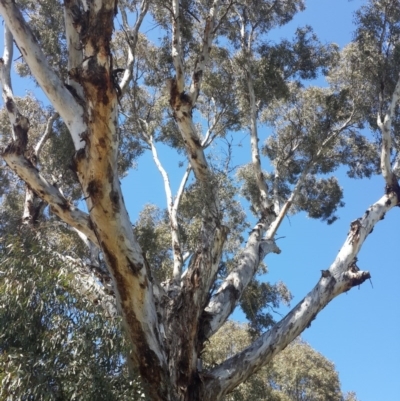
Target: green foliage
303, 374
320, 198
46, 21
154, 236
369, 66
54, 343
259, 297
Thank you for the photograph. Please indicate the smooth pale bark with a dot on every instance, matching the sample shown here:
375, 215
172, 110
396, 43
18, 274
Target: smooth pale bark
52, 86
172, 213
33, 205
265, 202
341, 276
5, 68
19, 123
258, 246
72, 18
385, 126
227, 296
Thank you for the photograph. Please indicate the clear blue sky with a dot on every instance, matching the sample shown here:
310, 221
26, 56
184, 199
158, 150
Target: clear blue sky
358, 331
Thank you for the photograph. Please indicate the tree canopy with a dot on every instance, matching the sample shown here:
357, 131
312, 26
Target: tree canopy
173, 277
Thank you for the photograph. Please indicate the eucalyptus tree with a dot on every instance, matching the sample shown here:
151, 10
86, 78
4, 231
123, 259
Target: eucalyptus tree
114, 93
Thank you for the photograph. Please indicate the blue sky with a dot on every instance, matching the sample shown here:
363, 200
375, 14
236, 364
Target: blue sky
358, 331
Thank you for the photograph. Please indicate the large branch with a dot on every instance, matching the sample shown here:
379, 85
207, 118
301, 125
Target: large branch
73, 27
255, 153
259, 244
342, 275
385, 127
5, 77
183, 103
177, 51
33, 205
229, 293
59, 205
225, 299
53, 87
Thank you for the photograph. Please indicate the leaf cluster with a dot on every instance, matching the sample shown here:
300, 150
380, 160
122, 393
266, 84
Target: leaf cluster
54, 344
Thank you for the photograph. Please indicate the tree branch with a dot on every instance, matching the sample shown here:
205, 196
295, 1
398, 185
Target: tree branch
33, 205
53, 87
59, 205
177, 51
385, 127
46, 135
285, 208
225, 299
132, 39
342, 275
255, 153
73, 26
5, 77
172, 212
202, 59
